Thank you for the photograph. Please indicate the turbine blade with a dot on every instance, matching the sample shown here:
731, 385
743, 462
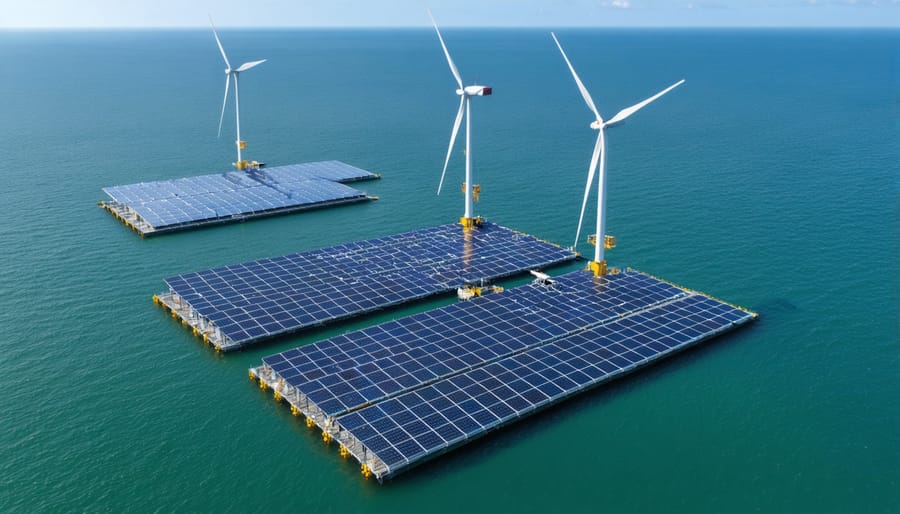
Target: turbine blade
628, 111
459, 116
447, 53
598, 147
227, 64
247, 65
584, 91
224, 101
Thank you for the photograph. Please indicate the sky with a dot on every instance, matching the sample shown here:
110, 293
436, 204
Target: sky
17, 14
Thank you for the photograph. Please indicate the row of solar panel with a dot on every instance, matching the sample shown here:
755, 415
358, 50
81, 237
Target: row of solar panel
245, 326
334, 171
207, 197
180, 188
572, 295
376, 362
221, 204
390, 253
259, 299
415, 424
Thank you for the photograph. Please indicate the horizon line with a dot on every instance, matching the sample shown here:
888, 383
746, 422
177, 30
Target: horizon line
428, 27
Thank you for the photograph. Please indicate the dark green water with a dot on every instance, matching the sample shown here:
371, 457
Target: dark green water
770, 179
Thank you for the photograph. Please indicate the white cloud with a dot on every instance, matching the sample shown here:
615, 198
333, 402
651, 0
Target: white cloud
618, 4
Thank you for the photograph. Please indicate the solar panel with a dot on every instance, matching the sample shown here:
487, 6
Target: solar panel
344, 372
245, 303
156, 207
500, 392
365, 387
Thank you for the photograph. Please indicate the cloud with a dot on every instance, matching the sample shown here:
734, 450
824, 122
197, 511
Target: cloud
617, 4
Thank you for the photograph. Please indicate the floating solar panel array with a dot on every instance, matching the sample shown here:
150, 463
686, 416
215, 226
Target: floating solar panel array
400, 393
168, 205
237, 305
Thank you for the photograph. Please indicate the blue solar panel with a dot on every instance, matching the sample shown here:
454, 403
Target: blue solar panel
170, 204
483, 331
472, 403
336, 171
585, 330
252, 301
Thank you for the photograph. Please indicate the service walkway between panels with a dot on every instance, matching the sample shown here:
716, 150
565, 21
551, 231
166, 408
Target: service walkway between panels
400, 393
151, 208
236, 305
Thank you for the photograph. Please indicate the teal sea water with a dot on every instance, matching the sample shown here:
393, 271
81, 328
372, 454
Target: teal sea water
770, 179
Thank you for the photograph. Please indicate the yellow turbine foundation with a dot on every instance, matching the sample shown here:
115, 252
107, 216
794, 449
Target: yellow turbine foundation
598, 268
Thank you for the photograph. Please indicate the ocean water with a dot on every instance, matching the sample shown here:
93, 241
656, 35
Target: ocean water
770, 179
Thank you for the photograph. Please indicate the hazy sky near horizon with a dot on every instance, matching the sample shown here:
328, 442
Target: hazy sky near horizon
450, 13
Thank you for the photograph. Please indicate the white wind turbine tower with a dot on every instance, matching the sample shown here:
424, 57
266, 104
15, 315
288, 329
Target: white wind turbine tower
229, 72
601, 241
465, 93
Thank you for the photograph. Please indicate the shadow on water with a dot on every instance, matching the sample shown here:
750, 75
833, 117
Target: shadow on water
777, 307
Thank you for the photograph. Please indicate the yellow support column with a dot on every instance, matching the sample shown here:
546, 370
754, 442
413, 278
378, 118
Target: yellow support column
470, 223
598, 268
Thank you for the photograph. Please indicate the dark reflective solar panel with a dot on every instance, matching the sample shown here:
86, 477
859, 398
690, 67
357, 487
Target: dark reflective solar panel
410, 368
183, 201
607, 340
252, 301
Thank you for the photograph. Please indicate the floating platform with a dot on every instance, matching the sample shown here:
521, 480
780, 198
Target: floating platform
242, 304
400, 393
151, 208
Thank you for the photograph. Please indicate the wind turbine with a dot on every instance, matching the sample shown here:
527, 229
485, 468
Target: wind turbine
465, 93
601, 241
229, 72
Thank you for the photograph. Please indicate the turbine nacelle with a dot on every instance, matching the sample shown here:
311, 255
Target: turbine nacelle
597, 125
475, 91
